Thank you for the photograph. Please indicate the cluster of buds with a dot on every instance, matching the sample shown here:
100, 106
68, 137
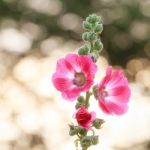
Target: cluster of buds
93, 44
75, 74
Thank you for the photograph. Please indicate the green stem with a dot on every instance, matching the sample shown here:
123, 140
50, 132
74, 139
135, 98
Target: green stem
87, 98
91, 48
84, 148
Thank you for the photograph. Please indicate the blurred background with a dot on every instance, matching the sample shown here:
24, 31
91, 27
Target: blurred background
33, 35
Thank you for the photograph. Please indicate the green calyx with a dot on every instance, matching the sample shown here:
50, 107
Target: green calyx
76, 130
97, 123
88, 141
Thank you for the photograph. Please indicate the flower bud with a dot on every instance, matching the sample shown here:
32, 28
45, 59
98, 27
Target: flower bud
86, 141
94, 140
80, 99
98, 45
73, 130
83, 50
92, 36
82, 131
92, 18
98, 28
87, 25
85, 36
97, 123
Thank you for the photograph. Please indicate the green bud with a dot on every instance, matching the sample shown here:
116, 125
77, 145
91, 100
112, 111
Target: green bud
93, 18
97, 123
94, 140
94, 55
82, 131
92, 36
89, 36
80, 99
87, 25
73, 130
83, 50
86, 141
98, 28
85, 36
98, 45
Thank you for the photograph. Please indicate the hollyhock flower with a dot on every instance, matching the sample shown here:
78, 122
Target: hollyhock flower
74, 74
113, 92
85, 118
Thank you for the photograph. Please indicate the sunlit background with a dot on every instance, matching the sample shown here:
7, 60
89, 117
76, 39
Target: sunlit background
33, 35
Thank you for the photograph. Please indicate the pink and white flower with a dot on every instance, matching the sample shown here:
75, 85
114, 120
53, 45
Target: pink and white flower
113, 93
74, 74
85, 118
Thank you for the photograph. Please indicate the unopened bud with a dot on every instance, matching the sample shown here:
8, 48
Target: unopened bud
83, 50
98, 45
87, 25
73, 130
94, 140
92, 36
93, 18
98, 28
82, 131
80, 99
86, 142
85, 36
97, 123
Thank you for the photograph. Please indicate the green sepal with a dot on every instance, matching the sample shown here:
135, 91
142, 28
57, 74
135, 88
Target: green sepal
97, 123
94, 140
95, 91
82, 131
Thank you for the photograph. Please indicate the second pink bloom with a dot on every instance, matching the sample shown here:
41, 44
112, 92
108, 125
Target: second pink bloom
113, 92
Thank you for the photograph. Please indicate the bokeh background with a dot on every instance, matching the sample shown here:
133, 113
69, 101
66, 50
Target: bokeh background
33, 35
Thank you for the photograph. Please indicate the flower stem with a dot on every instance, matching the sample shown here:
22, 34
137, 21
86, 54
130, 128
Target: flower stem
87, 98
84, 148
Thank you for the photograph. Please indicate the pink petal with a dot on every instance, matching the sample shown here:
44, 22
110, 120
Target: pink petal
119, 94
93, 116
74, 61
70, 95
117, 109
104, 107
61, 84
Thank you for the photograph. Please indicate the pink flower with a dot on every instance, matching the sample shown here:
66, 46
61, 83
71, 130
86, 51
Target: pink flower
84, 118
74, 74
113, 93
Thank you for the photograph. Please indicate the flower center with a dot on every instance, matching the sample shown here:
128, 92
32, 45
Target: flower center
79, 79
